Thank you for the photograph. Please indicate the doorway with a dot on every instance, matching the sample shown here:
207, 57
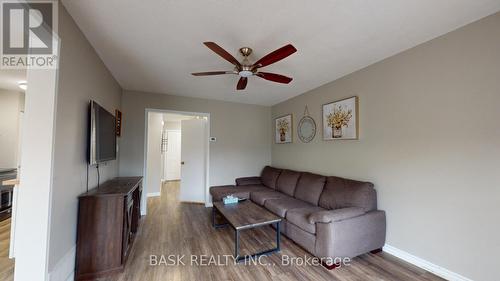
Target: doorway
177, 150
12, 98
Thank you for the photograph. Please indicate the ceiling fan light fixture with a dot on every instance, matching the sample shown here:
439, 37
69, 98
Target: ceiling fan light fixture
245, 73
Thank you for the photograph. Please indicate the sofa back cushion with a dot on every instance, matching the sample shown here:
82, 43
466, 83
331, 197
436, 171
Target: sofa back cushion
287, 181
269, 176
343, 193
309, 187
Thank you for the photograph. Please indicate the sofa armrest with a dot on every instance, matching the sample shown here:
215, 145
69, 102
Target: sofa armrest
328, 216
248, 181
351, 237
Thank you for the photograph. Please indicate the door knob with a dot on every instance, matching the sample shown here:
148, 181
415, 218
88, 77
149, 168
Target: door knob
182, 162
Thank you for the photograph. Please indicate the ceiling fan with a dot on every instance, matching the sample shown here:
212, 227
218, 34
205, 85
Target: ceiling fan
246, 69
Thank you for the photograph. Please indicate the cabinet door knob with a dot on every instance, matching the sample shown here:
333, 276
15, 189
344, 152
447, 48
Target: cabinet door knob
182, 162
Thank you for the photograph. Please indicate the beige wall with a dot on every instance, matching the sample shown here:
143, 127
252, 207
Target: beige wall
82, 76
11, 104
242, 131
429, 140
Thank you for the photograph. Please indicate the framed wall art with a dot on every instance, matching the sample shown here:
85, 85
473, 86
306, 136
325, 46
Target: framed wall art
118, 120
283, 127
340, 120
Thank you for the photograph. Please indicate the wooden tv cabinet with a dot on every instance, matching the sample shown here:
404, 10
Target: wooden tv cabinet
108, 219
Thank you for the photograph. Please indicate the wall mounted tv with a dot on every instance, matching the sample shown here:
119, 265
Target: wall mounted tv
102, 131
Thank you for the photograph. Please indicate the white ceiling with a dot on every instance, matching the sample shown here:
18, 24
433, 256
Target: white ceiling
154, 45
10, 77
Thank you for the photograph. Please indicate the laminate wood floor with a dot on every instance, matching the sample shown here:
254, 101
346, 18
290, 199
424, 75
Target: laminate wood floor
6, 264
174, 228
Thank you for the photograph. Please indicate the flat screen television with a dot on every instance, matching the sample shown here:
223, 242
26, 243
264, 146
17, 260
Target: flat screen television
102, 131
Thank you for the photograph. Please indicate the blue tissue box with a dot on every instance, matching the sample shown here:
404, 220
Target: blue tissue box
230, 200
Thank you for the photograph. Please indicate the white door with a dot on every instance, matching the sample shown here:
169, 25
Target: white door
173, 156
193, 169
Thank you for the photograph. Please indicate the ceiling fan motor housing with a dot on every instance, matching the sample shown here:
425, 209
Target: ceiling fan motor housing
245, 51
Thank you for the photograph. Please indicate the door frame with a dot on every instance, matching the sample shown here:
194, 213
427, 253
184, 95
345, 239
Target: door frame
207, 151
31, 252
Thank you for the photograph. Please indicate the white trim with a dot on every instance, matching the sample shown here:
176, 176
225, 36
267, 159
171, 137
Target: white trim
153, 194
436, 269
145, 164
36, 174
15, 190
64, 269
207, 152
13, 216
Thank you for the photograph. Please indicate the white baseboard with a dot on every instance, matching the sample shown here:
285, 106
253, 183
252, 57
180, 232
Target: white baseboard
65, 267
153, 194
436, 269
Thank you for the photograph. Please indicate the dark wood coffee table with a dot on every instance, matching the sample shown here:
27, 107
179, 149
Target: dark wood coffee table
246, 215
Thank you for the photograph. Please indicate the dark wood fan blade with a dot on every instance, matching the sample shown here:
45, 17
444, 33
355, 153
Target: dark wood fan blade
242, 83
223, 53
274, 77
275, 56
212, 73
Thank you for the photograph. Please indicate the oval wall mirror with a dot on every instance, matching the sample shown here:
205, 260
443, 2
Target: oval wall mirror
306, 129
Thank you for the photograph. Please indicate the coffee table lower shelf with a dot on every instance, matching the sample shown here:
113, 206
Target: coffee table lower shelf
237, 236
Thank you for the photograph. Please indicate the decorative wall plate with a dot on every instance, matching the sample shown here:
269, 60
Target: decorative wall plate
306, 129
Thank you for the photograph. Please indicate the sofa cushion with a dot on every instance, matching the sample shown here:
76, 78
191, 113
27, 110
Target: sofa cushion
260, 197
309, 187
243, 191
248, 181
281, 206
269, 176
344, 193
299, 217
328, 216
287, 181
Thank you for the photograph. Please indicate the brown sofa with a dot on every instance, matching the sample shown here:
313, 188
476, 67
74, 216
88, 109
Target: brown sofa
330, 217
